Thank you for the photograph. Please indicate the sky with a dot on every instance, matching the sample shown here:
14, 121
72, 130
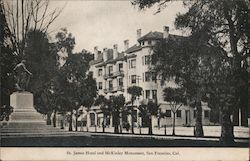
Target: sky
105, 23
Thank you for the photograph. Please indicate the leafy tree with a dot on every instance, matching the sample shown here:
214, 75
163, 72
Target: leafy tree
7, 59
80, 88
117, 102
149, 108
41, 59
176, 98
104, 104
224, 24
135, 92
5, 112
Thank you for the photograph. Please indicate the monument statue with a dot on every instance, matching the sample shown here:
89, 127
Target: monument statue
22, 76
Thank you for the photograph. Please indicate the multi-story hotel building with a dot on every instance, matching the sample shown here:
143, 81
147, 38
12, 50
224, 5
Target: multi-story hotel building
115, 71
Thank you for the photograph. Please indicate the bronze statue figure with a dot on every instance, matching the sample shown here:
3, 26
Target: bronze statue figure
22, 76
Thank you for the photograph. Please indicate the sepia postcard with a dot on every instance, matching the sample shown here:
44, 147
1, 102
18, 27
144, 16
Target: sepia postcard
93, 80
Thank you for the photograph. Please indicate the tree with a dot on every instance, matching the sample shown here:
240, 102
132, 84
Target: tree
24, 15
44, 103
149, 108
117, 102
8, 59
224, 24
176, 98
80, 87
104, 104
135, 92
41, 58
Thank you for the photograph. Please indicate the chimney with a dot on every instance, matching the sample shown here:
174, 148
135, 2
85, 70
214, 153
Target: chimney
105, 54
115, 51
165, 32
126, 45
138, 31
95, 52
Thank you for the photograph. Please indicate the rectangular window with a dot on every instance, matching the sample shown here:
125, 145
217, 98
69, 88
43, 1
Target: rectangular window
99, 72
147, 76
120, 82
147, 94
178, 113
120, 67
100, 85
147, 59
133, 63
133, 79
110, 84
206, 114
149, 42
154, 76
194, 113
110, 70
168, 113
154, 94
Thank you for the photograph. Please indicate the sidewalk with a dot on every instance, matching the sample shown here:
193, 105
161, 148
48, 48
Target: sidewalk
209, 131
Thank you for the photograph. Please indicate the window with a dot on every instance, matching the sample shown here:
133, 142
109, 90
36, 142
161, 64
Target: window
168, 113
110, 84
194, 113
110, 70
120, 82
147, 59
154, 94
99, 72
132, 63
133, 79
142, 43
147, 77
147, 94
206, 114
120, 67
154, 76
149, 42
178, 113
100, 85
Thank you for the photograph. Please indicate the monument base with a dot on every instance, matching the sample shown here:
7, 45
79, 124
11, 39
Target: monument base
23, 111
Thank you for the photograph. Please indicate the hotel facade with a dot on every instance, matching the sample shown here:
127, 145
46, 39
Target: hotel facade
116, 71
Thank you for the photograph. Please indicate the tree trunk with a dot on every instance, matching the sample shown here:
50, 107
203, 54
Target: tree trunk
132, 118
227, 134
76, 123
48, 121
54, 119
62, 122
87, 123
103, 124
174, 124
150, 128
121, 122
70, 121
116, 122
198, 124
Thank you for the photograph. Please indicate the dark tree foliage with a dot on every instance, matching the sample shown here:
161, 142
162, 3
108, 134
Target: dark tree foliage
176, 98
117, 102
7, 59
41, 59
149, 108
105, 106
222, 24
80, 87
135, 92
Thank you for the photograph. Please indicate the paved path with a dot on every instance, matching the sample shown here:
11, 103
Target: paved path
209, 131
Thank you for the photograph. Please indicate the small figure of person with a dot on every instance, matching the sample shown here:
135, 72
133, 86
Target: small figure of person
22, 75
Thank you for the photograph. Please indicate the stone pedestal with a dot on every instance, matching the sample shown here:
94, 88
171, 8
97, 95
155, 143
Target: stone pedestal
23, 111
